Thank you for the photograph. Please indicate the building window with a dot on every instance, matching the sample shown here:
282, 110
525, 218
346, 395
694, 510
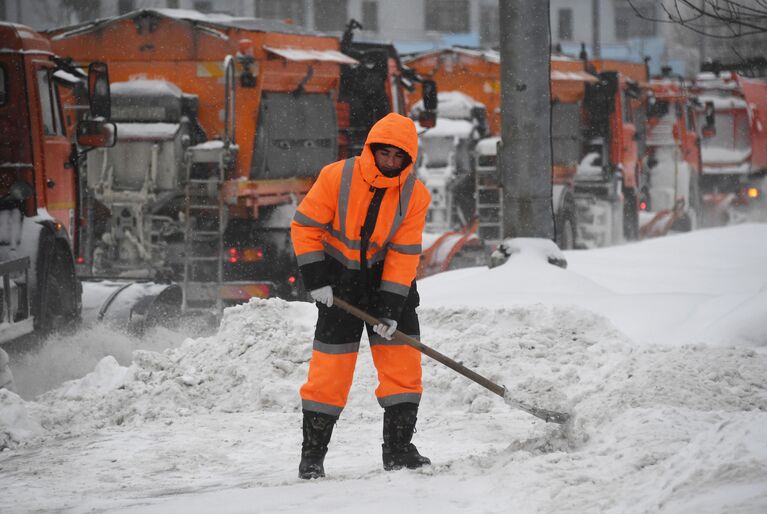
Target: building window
630, 25
370, 16
203, 6
291, 11
565, 24
489, 27
330, 15
125, 6
172, 4
447, 15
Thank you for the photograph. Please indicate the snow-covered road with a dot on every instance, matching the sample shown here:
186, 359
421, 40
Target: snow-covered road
659, 349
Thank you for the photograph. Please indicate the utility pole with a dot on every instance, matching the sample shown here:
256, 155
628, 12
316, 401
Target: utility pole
525, 152
596, 42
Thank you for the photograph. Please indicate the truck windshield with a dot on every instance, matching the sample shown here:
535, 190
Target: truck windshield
732, 130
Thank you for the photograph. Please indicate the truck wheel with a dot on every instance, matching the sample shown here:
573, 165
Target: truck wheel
566, 232
630, 215
56, 306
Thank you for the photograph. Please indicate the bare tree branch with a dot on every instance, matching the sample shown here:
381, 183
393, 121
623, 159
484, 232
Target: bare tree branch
722, 19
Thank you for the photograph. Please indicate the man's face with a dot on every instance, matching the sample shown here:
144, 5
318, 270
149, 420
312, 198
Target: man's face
390, 159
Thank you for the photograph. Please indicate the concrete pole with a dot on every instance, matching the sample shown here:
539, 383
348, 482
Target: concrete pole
596, 42
525, 153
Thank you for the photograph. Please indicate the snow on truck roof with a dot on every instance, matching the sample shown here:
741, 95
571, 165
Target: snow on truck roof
146, 87
189, 15
488, 146
446, 127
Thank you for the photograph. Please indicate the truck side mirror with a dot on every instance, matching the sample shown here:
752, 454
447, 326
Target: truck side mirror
709, 129
429, 95
428, 116
98, 90
96, 134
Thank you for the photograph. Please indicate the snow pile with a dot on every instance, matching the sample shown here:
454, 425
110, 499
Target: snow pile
255, 362
529, 248
16, 423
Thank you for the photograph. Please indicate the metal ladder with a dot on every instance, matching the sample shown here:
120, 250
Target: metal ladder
203, 199
489, 208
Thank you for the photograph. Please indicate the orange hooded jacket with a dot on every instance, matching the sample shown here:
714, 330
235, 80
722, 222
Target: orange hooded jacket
328, 221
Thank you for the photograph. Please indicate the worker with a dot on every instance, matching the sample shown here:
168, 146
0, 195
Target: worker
357, 234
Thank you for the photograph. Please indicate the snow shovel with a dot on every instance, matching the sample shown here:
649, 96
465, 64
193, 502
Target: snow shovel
546, 415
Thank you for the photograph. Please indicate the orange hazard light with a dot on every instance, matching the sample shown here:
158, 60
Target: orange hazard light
753, 192
252, 254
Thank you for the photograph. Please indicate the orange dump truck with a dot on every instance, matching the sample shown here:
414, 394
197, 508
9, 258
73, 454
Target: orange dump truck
734, 159
675, 132
46, 125
596, 165
213, 152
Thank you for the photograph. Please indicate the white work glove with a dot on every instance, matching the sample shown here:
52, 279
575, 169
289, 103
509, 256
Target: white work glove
385, 329
323, 295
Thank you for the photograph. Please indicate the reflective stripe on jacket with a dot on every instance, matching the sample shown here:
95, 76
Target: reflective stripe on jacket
328, 221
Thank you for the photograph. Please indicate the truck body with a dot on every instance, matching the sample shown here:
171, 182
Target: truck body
593, 141
44, 111
734, 160
216, 164
673, 156
220, 156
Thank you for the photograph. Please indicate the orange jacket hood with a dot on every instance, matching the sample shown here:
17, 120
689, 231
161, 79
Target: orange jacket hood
395, 130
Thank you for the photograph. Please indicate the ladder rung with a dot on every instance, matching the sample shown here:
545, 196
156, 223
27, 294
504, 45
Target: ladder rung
207, 206
202, 181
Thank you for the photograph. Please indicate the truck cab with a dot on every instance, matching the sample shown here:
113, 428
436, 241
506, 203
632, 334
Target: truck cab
40, 120
673, 155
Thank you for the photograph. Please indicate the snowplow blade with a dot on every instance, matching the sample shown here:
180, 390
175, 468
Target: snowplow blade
131, 306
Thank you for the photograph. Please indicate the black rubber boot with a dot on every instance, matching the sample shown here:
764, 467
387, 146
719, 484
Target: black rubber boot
318, 428
398, 428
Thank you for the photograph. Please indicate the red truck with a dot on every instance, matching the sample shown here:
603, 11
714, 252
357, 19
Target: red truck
734, 160
50, 115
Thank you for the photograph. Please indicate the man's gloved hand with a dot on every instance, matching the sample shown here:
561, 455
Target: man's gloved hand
323, 295
386, 328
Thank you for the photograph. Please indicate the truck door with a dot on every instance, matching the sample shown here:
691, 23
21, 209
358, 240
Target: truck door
628, 141
59, 180
691, 143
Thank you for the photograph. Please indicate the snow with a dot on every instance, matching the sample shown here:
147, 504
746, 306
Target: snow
658, 348
453, 105
447, 128
145, 87
147, 131
718, 154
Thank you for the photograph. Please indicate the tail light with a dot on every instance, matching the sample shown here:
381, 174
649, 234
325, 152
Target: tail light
292, 280
235, 255
80, 260
643, 205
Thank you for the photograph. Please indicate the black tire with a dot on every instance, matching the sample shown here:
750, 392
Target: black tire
566, 231
56, 303
630, 215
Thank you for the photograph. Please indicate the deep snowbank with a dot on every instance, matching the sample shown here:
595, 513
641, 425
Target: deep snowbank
676, 426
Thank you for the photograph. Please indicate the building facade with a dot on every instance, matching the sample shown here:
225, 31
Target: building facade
421, 25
